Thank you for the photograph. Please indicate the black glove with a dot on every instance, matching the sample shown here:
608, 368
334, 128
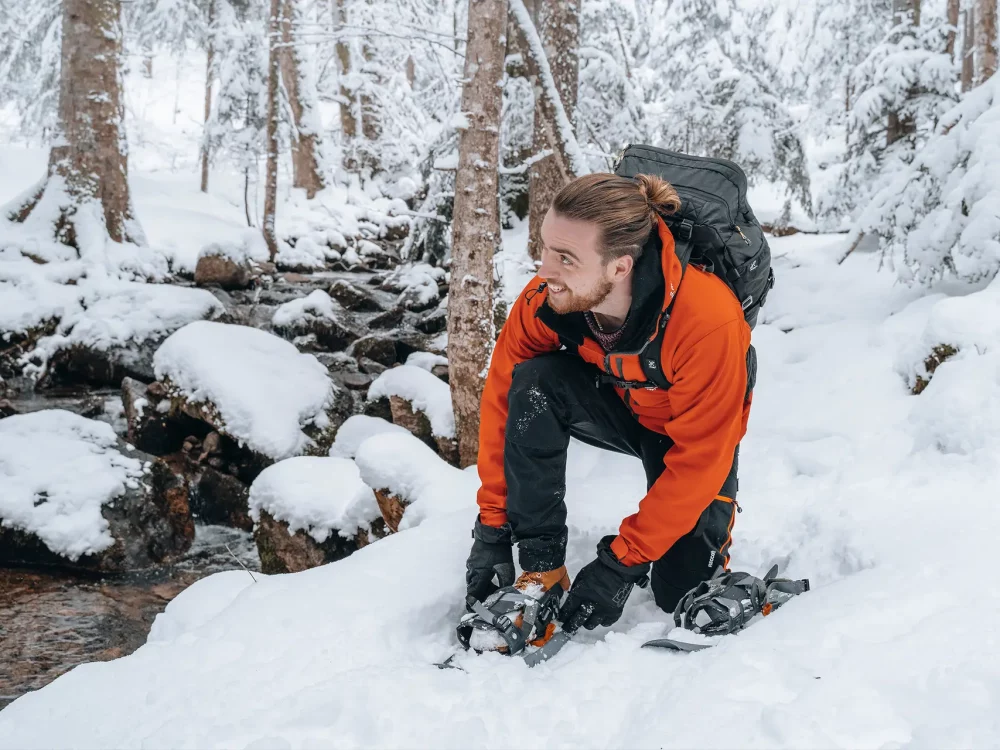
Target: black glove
598, 595
491, 555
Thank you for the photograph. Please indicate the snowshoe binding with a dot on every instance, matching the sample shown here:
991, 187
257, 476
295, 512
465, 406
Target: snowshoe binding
515, 617
726, 602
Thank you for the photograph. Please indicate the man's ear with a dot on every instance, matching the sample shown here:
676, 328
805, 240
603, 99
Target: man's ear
622, 267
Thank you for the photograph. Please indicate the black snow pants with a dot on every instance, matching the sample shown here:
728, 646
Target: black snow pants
557, 396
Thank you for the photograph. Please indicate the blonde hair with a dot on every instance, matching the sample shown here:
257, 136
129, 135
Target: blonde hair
624, 208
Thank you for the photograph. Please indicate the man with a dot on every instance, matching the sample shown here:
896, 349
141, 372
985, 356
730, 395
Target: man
570, 362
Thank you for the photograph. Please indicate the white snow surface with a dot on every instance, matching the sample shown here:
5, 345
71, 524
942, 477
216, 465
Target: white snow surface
57, 470
318, 305
356, 430
880, 497
425, 392
265, 390
426, 360
316, 494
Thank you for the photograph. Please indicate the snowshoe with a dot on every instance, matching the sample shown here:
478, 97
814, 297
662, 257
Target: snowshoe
726, 602
515, 617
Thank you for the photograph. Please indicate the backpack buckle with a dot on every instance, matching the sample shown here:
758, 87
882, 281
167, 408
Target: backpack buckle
686, 229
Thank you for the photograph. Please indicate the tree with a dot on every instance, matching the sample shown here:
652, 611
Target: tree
300, 90
271, 178
476, 223
558, 24
986, 40
968, 48
85, 196
209, 64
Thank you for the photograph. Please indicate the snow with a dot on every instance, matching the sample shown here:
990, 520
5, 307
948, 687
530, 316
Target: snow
264, 389
840, 481
425, 392
426, 360
318, 305
57, 470
416, 283
356, 430
250, 247
317, 494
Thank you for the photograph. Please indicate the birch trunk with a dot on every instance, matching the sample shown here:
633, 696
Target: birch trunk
271, 181
476, 223
209, 62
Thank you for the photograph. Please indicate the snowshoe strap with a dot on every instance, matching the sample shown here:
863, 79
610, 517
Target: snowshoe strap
514, 637
726, 602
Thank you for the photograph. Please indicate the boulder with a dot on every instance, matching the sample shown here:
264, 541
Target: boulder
353, 298
78, 497
315, 315
433, 322
282, 551
387, 320
217, 270
220, 498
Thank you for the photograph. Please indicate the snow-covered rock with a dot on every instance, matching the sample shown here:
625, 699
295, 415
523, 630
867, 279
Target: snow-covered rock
252, 386
319, 315
357, 430
311, 510
424, 392
71, 493
418, 285
354, 298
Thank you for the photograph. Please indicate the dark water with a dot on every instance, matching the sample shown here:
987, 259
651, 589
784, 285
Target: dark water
52, 621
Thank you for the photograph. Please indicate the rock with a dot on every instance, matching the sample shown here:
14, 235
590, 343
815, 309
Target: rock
434, 322
97, 367
392, 507
150, 429
338, 413
389, 319
150, 523
440, 371
7, 408
414, 421
353, 298
283, 552
371, 367
356, 381
447, 448
315, 315
220, 498
222, 271
378, 407
387, 349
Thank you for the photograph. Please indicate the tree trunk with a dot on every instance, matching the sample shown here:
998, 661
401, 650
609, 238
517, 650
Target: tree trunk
348, 125
558, 24
968, 61
306, 172
476, 223
986, 40
271, 181
88, 171
209, 63
952, 13
900, 126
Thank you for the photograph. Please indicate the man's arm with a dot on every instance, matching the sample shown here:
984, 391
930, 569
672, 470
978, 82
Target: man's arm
522, 337
708, 401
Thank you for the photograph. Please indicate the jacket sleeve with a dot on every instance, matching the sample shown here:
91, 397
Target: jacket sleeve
522, 337
707, 400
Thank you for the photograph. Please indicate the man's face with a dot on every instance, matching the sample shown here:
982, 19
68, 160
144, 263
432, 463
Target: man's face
578, 278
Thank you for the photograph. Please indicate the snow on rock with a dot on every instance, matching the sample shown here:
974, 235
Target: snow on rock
58, 470
417, 285
426, 360
70, 484
316, 306
203, 600
403, 466
424, 391
264, 390
250, 247
319, 495
356, 430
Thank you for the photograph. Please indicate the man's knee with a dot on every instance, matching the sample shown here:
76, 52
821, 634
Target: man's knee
537, 399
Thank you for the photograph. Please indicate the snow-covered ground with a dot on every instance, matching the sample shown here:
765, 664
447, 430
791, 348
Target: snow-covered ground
885, 500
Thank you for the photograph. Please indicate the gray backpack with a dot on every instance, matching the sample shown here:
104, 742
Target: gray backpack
715, 227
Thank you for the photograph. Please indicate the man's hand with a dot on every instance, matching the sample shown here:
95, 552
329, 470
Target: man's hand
601, 589
491, 556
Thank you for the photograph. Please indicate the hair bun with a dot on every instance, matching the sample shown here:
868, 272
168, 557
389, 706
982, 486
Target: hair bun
659, 194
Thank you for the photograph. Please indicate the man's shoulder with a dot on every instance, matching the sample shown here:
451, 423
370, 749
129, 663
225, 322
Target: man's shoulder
704, 304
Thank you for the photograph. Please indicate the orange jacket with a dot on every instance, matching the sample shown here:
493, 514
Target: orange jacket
703, 356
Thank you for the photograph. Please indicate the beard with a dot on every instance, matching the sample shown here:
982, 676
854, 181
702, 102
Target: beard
570, 301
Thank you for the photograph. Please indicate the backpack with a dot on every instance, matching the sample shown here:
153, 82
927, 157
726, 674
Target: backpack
715, 227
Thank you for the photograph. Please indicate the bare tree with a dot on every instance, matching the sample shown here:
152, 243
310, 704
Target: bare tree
87, 181
271, 179
952, 14
558, 24
476, 222
348, 125
986, 40
209, 63
306, 171
968, 48
899, 126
